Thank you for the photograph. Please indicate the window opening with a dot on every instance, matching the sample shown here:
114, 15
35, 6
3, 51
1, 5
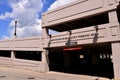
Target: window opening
29, 55
5, 54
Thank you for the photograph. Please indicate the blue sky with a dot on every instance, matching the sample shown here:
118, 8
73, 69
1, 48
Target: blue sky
28, 13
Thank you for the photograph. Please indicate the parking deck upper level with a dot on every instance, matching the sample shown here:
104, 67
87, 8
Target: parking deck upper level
82, 22
76, 10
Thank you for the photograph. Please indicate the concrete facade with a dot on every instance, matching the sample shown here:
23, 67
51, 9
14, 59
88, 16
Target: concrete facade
73, 31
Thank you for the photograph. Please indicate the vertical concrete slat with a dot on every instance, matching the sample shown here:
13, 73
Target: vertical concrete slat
12, 58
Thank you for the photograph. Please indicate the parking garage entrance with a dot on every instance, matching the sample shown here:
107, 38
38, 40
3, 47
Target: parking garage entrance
94, 59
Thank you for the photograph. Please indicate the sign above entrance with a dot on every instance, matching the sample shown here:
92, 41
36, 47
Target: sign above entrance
81, 36
70, 43
69, 49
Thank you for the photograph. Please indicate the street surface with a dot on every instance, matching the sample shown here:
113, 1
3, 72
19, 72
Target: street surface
18, 74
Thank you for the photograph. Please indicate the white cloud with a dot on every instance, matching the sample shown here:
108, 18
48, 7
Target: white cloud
34, 30
59, 3
6, 15
27, 13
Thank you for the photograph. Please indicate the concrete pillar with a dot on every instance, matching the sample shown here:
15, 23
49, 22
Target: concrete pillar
12, 58
113, 20
116, 59
43, 56
12, 55
45, 36
45, 32
113, 16
45, 59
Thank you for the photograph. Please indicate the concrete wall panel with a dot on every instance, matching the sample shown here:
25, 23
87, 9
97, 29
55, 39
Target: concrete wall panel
5, 62
5, 44
25, 44
111, 2
28, 44
29, 65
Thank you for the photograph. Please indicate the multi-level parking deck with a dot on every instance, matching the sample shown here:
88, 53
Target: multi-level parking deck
87, 38
86, 41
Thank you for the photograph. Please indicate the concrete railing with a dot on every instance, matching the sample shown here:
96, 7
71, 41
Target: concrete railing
5, 45
29, 65
5, 62
31, 44
105, 33
28, 44
22, 64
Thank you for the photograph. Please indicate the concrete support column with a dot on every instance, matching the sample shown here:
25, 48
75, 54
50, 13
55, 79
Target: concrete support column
43, 56
45, 59
12, 58
113, 20
116, 59
45, 32
113, 16
45, 36
12, 55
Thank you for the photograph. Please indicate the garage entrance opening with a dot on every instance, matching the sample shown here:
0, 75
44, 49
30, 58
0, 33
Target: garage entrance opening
92, 60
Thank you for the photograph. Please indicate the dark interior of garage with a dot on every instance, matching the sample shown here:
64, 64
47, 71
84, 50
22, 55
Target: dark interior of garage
5, 54
81, 23
28, 55
118, 13
87, 61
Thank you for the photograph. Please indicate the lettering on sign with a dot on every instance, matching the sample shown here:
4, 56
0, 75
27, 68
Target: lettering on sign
75, 37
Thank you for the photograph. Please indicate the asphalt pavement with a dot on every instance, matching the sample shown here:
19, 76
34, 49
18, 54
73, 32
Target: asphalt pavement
19, 74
